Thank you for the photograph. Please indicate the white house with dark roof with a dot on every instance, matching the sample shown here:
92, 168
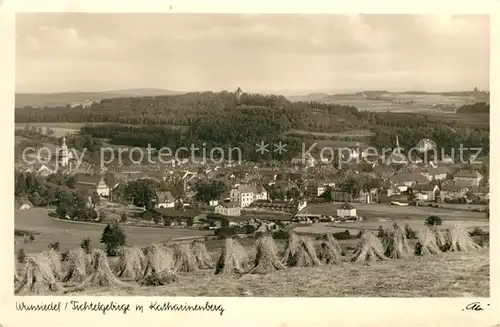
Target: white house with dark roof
403, 181
425, 192
164, 200
346, 210
468, 177
245, 194
452, 191
230, 209
435, 173
94, 183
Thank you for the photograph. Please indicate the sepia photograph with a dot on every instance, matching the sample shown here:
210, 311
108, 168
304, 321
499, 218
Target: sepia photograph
252, 155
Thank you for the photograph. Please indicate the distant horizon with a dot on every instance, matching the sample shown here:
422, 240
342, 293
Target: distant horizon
284, 92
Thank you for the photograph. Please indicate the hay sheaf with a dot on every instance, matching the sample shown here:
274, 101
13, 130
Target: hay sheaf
203, 259
38, 277
266, 259
427, 242
55, 261
79, 266
101, 274
332, 240
397, 245
131, 263
158, 258
460, 241
329, 251
233, 258
369, 248
184, 259
300, 252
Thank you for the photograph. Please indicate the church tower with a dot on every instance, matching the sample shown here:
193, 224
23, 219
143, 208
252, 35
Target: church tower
63, 154
238, 95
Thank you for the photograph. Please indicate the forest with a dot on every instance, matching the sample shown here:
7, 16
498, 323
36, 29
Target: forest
221, 120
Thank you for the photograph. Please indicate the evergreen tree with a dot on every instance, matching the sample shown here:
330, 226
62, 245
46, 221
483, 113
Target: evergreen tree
113, 237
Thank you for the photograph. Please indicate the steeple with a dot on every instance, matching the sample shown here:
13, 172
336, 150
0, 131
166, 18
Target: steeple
64, 146
63, 154
238, 94
398, 148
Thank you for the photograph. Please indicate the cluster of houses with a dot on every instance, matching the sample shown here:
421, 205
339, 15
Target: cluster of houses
252, 188
436, 184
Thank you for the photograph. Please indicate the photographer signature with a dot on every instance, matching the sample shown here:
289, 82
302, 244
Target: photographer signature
474, 306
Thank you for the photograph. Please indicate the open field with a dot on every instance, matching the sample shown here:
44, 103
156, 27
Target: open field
450, 274
356, 227
387, 211
60, 129
351, 133
456, 274
70, 234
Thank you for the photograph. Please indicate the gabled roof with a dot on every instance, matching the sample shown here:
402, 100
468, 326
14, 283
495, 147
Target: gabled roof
424, 187
480, 189
229, 205
171, 212
410, 177
467, 173
436, 171
453, 188
346, 206
164, 197
87, 180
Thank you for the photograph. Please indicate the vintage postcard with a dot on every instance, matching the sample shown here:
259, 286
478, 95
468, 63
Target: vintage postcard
200, 166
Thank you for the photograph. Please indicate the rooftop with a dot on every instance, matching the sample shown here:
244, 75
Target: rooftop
346, 206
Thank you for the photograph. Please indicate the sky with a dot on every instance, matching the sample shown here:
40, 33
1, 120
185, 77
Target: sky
290, 54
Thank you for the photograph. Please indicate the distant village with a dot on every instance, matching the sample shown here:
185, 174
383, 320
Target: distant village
277, 194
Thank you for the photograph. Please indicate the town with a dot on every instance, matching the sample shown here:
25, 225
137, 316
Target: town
231, 187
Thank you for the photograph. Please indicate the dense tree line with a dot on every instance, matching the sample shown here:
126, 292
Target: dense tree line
446, 138
476, 108
218, 120
56, 190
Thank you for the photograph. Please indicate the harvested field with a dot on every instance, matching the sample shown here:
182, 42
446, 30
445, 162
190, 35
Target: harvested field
415, 277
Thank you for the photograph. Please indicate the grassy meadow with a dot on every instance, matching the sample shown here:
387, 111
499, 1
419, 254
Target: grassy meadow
70, 234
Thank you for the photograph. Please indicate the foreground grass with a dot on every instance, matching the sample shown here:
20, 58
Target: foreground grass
444, 275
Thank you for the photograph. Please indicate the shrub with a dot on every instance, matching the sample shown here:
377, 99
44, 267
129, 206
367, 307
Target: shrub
345, 235
86, 245
32, 238
433, 221
167, 221
248, 229
281, 234
225, 222
410, 233
21, 256
224, 232
22, 232
123, 217
113, 237
55, 246
477, 232
65, 255
381, 232
157, 219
